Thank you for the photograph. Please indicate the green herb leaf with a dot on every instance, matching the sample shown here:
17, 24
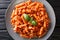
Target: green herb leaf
34, 23
26, 17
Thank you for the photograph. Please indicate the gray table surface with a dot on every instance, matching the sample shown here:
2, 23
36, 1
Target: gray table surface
3, 31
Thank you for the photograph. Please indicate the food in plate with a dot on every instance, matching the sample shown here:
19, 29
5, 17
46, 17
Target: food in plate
30, 19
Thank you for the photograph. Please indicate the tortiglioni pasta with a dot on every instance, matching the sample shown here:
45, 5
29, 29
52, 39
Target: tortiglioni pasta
36, 14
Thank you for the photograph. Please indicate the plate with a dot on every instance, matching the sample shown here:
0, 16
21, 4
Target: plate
14, 35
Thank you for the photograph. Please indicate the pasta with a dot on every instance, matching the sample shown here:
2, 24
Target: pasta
28, 29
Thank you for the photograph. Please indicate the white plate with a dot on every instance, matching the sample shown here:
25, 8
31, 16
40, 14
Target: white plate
14, 35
